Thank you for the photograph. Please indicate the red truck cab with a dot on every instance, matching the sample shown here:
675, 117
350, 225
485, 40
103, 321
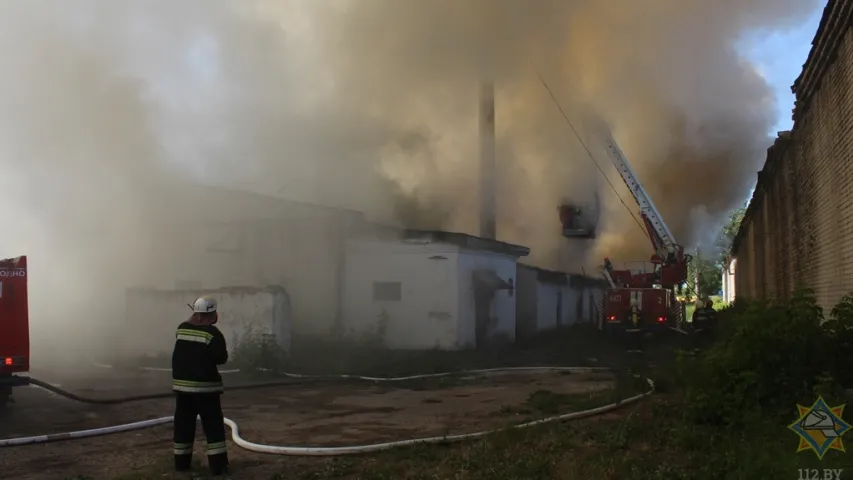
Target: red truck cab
14, 325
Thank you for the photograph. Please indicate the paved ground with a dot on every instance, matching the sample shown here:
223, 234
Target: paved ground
301, 414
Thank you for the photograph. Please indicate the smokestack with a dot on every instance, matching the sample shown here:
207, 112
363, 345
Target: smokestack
487, 160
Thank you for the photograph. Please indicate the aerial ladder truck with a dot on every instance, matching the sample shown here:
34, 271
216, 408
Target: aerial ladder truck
638, 299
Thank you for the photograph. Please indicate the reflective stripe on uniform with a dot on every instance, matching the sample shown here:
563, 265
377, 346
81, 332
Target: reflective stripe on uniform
216, 448
190, 386
194, 335
183, 448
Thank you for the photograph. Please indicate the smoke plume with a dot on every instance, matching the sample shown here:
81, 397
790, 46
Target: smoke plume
368, 104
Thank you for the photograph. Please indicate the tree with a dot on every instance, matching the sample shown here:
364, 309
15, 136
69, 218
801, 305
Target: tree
729, 231
709, 263
709, 271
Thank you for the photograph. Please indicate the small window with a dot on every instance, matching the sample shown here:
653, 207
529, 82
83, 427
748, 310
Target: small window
387, 291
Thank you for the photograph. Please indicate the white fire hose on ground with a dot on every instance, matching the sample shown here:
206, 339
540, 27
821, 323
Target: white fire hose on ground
336, 451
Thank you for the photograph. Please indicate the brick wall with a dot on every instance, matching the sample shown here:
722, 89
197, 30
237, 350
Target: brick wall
798, 229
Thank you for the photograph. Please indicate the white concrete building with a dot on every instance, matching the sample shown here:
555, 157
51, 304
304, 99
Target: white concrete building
549, 299
729, 267
216, 238
430, 289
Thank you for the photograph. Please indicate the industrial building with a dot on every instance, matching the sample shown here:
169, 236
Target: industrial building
798, 227
334, 271
291, 268
728, 279
431, 289
549, 299
218, 238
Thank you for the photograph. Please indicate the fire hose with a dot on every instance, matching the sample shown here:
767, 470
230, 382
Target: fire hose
317, 451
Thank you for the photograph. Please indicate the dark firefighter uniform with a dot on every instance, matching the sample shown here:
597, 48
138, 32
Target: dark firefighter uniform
199, 349
703, 324
705, 317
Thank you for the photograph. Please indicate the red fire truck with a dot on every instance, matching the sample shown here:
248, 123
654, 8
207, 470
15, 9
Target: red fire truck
14, 326
639, 299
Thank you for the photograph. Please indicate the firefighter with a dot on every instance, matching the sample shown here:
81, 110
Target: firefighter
635, 331
711, 314
704, 317
703, 325
199, 349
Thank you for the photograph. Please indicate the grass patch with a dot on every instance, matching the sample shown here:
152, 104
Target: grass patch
546, 403
645, 441
648, 441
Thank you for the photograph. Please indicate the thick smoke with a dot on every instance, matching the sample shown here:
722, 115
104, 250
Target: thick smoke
692, 116
368, 104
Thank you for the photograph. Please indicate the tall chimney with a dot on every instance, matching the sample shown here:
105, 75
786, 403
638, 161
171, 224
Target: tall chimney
487, 160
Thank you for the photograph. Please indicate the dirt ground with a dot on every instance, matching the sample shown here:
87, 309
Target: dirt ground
298, 415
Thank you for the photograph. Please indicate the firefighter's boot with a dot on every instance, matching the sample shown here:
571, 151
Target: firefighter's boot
218, 463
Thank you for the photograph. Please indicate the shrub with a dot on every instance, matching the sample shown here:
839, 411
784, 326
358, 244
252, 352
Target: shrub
839, 341
768, 357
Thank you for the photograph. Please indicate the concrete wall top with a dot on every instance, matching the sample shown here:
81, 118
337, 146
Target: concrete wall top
154, 315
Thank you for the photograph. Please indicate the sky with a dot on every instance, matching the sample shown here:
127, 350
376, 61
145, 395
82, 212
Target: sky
780, 57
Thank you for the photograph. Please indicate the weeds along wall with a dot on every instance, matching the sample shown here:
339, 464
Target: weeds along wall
244, 313
798, 227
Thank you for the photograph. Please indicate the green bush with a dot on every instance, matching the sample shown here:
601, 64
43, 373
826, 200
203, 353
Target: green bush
767, 357
839, 334
257, 351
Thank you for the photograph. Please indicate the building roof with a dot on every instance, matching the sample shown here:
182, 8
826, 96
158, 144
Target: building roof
462, 240
580, 281
563, 278
547, 276
193, 202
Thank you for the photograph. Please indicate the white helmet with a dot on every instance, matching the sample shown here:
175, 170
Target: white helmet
203, 305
